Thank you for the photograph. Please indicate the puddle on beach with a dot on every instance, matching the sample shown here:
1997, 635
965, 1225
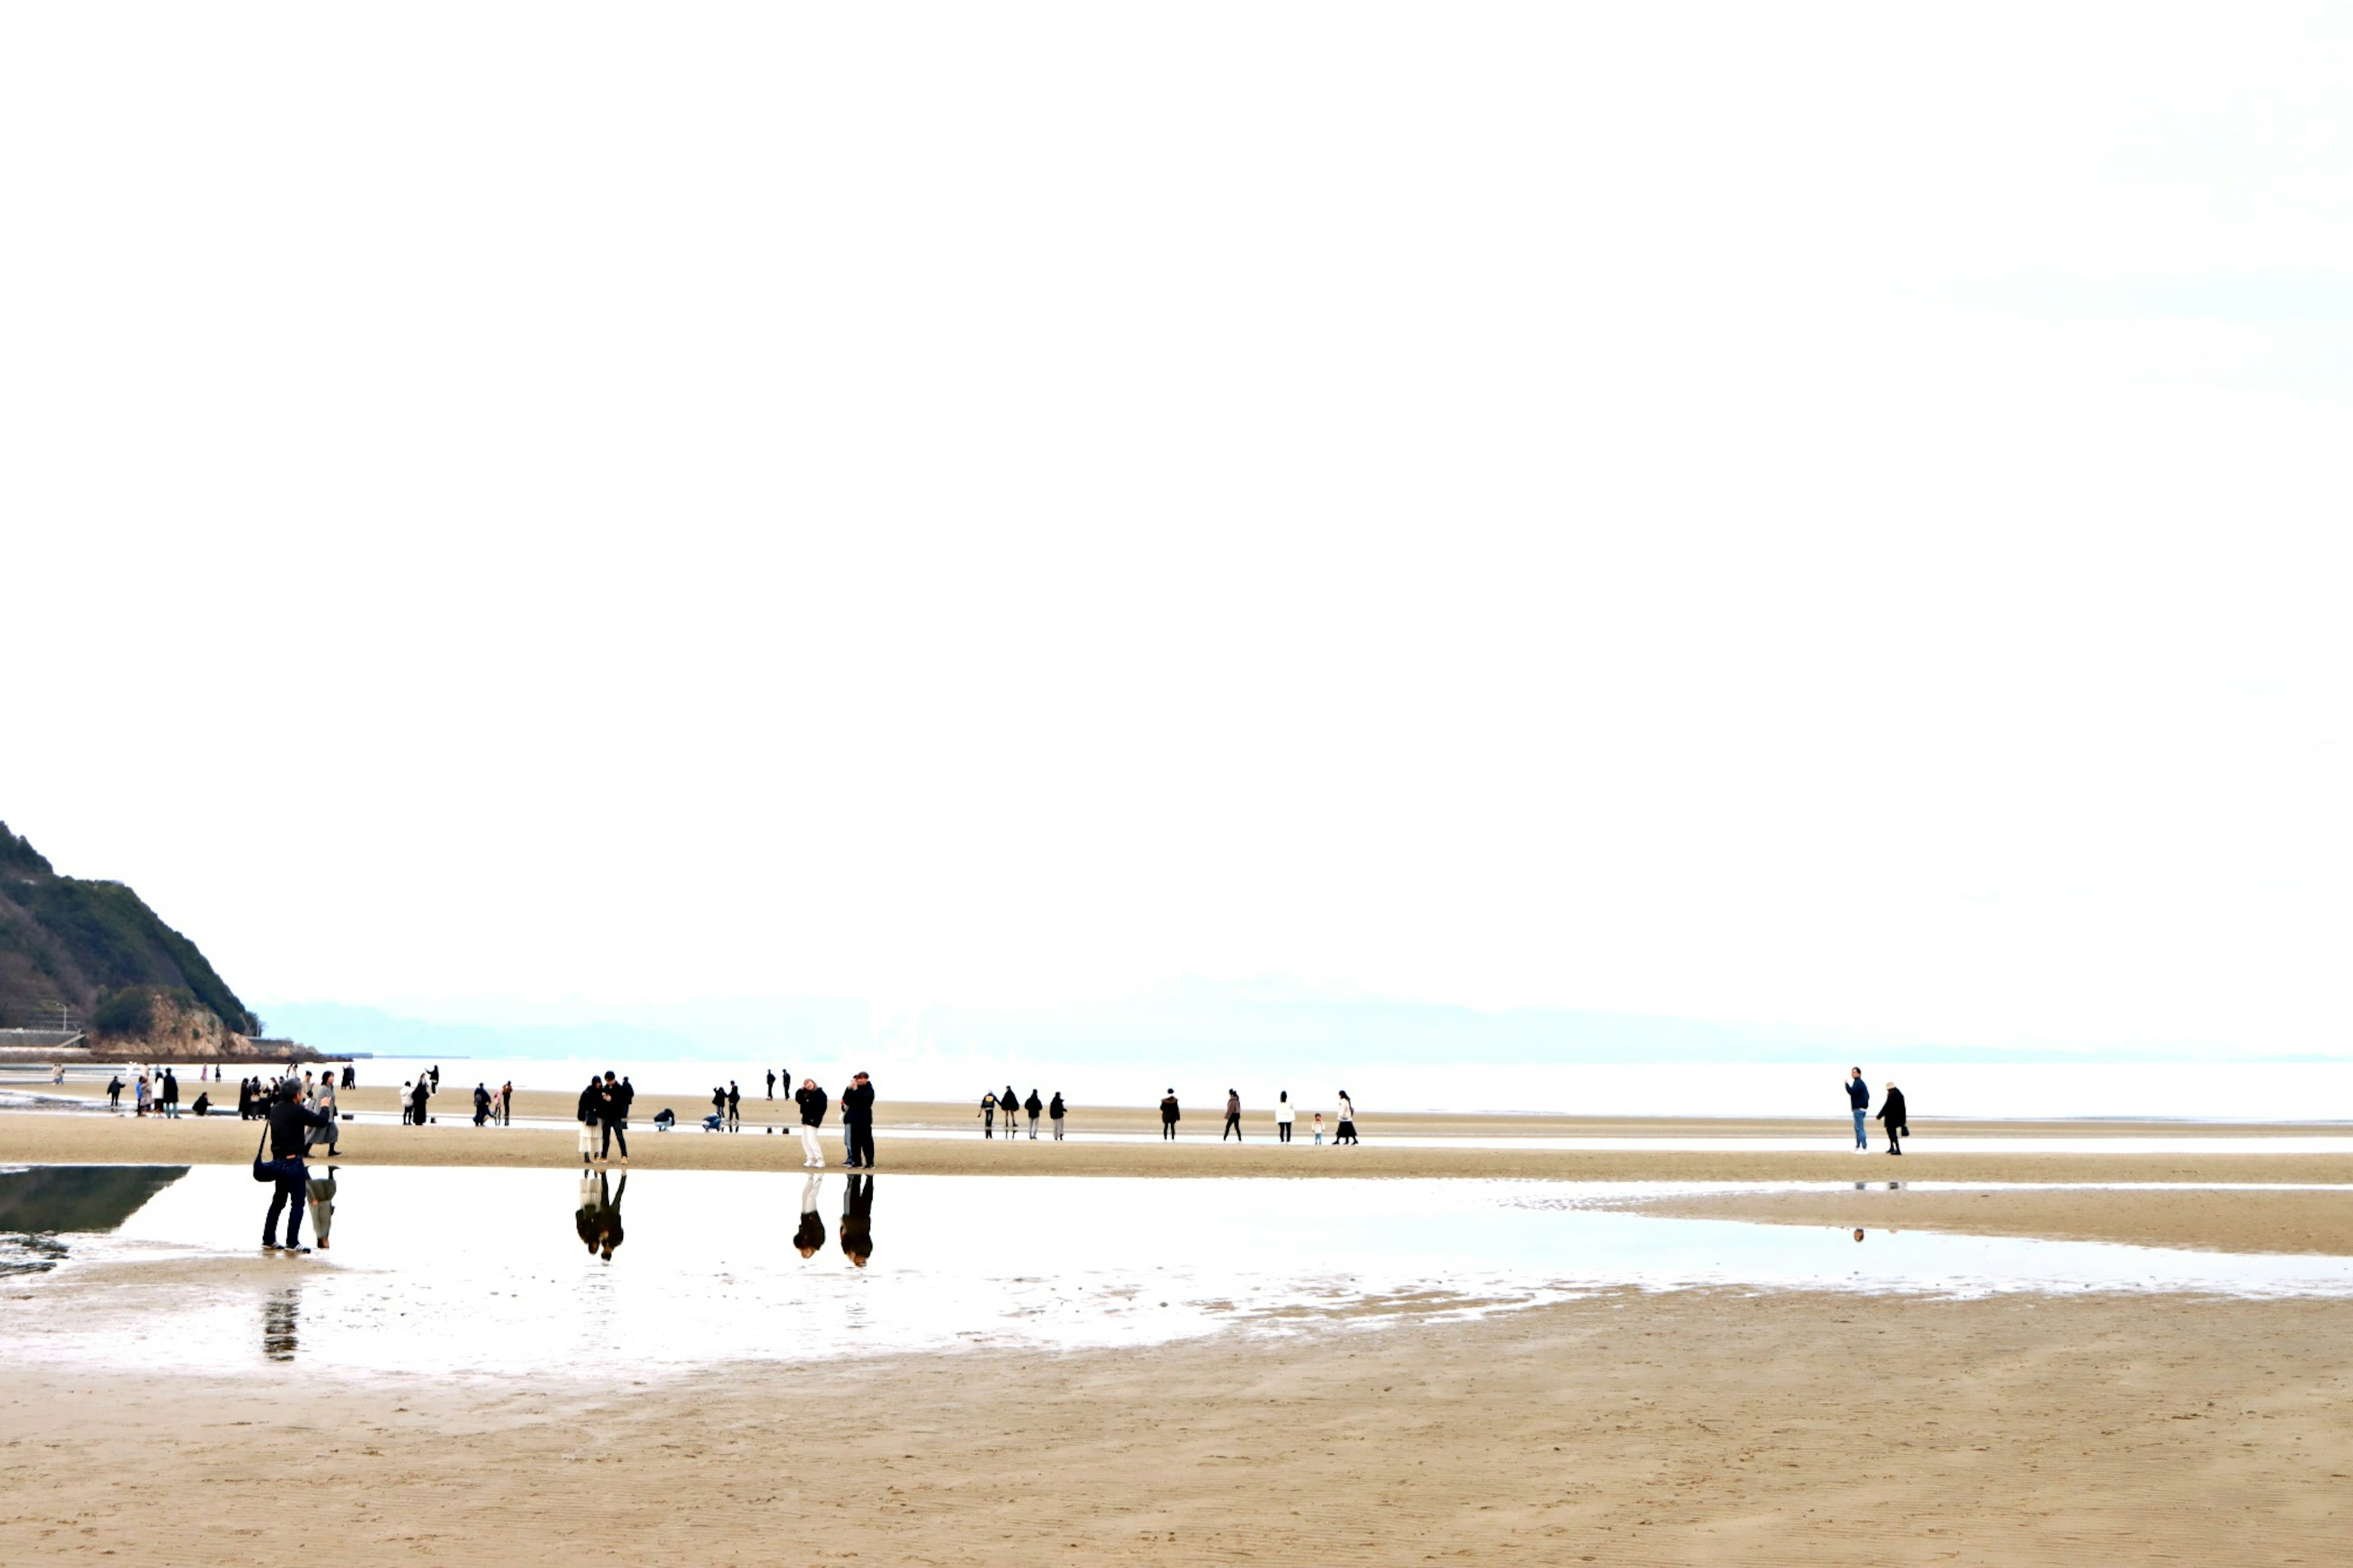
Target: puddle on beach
477, 1271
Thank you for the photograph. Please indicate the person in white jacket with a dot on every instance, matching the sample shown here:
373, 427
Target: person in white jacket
1347, 1132
1282, 1116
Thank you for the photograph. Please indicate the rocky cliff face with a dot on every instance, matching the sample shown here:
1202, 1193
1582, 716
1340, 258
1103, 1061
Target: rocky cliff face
96, 955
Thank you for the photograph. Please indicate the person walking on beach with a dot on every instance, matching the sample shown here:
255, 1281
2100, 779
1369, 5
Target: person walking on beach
735, 1106
857, 1122
1054, 1111
613, 1110
988, 1115
1347, 1129
1010, 1104
1858, 1100
1282, 1116
1169, 1115
1892, 1117
1233, 1115
1034, 1106
289, 1120
812, 1101
810, 1240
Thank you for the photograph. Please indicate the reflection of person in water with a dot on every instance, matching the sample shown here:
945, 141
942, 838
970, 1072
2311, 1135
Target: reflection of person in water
606, 1219
323, 1206
278, 1335
858, 1220
810, 1238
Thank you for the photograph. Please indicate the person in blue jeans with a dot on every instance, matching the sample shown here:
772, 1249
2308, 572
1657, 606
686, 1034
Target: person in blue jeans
1858, 1100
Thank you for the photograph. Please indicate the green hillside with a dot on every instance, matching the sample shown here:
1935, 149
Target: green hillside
96, 948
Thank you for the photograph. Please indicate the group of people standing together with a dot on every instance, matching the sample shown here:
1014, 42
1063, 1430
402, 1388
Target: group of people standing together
993, 1102
1285, 1115
1892, 1115
857, 1121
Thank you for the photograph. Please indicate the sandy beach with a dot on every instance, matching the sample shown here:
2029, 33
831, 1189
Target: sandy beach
1692, 1427
1695, 1426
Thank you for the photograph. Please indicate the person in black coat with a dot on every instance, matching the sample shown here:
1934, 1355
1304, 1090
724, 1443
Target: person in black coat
1892, 1117
858, 1122
1035, 1107
613, 1102
417, 1098
1055, 1111
291, 1122
1170, 1114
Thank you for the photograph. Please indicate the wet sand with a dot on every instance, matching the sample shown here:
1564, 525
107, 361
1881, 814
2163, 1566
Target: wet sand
1624, 1429
39, 1137
2210, 1220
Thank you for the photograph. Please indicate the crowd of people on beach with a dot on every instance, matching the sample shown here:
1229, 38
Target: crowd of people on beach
603, 1113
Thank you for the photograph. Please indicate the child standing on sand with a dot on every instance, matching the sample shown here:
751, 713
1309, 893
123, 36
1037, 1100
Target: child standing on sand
1319, 1130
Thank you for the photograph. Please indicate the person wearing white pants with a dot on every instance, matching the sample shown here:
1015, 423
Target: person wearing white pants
814, 1102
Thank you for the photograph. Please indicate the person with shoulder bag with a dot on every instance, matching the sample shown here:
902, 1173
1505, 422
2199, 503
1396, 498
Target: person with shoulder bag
286, 1137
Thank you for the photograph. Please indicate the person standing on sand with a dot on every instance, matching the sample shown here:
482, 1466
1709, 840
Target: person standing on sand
289, 1120
114, 1094
1034, 1106
322, 1100
1010, 1104
810, 1240
1319, 1130
171, 1094
857, 1122
1858, 1100
416, 1098
506, 1103
1282, 1115
1233, 1115
591, 1108
613, 1110
813, 1102
481, 1104
1893, 1118
139, 1094
988, 1115
1347, 1129
1056, 1110
771, 1083
1169, 1115
735, 1106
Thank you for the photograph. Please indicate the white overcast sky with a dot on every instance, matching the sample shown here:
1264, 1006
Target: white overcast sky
1775, 513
